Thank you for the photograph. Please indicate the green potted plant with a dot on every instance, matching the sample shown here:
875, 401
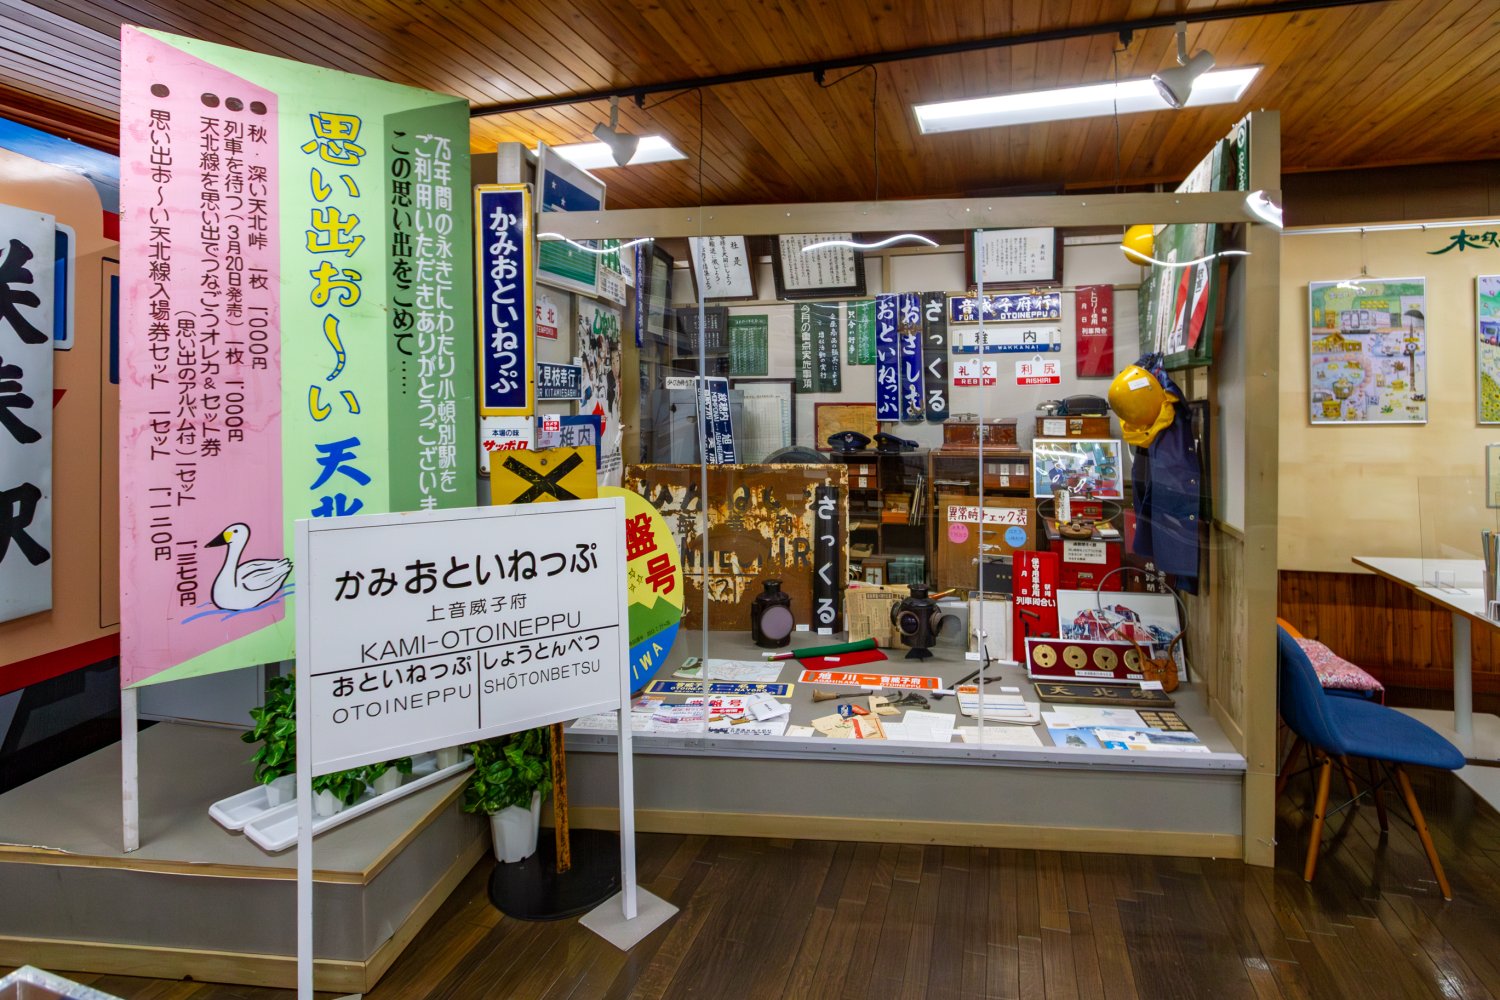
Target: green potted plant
512, 774
275, 729
386, 777
332, 792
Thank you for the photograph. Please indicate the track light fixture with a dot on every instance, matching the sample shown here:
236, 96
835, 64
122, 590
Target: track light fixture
1176, 84
622, 145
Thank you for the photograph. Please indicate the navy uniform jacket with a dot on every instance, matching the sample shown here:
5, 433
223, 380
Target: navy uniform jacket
1166, 480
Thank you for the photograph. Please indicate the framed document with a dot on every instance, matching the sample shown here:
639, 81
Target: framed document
828, 272
722, 267
1014, 257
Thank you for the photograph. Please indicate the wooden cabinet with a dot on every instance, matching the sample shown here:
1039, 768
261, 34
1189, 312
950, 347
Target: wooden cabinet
889, 514
1073, 427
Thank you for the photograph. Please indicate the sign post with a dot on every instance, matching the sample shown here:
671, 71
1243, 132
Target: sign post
421, 631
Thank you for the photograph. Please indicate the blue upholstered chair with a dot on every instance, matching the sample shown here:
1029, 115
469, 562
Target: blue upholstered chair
1336, 729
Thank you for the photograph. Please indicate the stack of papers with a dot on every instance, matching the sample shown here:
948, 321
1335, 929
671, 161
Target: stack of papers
1001, 704
1087, 727
1010, 736
921, 727
744, 671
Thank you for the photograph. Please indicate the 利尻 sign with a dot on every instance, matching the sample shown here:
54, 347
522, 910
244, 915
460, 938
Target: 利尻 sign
423, 631
1042, 371
507, 320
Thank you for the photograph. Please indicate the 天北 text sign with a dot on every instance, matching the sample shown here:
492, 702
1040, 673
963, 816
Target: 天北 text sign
422, 631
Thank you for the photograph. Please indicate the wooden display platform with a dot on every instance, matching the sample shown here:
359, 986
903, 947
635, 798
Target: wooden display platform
197, 901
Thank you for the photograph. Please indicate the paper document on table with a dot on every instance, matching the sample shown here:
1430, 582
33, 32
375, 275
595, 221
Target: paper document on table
801, 732
1080, 716
1010, 736
924, 727
743, 670
1149, 741
606, 721
999, 706
772, 727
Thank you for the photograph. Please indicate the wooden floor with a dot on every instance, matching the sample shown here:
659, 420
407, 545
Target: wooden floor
771, 918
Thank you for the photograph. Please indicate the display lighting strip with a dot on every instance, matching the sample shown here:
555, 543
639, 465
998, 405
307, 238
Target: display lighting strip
559, 237
1220, 86
856, 245
1137, 256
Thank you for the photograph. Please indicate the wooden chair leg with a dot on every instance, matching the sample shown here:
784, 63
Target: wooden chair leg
1320, 810
1286, 768
1379, 802
1349, 779
1421, 823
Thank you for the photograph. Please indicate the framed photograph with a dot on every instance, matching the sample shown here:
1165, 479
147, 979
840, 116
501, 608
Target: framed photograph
768, 417
831, 418
653, 295
997, 257
1120, 616
1090, 465
562, 187
1487, 346
829, 272
723, 268
1367, 351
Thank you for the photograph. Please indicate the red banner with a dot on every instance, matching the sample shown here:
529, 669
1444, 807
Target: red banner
1034, 596
1094, 316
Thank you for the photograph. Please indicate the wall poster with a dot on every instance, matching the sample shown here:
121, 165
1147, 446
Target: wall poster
749, 344
815, 330
333, 209
599, 346
562, 187
1367, 351
1487, 317
507, 321
27, 247
827, 272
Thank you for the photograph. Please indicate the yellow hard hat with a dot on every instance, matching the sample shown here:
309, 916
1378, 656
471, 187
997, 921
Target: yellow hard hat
1139, 244
1143, 406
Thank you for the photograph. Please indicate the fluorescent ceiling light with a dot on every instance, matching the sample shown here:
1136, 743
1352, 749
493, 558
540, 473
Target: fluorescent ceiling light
907, 237
559, 237
1220, 86
598, 155
1263, 208
1142, 259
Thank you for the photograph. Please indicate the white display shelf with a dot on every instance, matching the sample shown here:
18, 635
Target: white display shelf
274, 828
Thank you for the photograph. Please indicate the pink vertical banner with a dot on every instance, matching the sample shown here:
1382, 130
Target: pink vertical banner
202, 556
1094, 316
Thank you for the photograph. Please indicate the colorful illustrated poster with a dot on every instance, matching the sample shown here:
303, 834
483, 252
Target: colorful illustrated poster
1367, 351
1087, 467
653, 573
27, 249
599, 345
297, 333
1487, 316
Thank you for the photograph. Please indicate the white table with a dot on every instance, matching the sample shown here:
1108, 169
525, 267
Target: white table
1462, 596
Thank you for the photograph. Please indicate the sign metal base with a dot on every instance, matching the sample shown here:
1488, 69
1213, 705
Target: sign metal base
535, 890
608, 921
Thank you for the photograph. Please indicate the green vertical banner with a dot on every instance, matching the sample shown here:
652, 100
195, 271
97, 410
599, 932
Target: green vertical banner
749, 345
431, 333
357, 194
859, 331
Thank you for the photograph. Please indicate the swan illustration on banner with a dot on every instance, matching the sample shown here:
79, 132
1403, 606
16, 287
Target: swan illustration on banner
241, 586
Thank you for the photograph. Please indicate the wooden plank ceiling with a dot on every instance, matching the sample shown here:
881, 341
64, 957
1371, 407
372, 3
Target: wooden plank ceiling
1406, 81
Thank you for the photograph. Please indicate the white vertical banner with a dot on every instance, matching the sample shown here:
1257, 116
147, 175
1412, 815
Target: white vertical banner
27, 252
435, 629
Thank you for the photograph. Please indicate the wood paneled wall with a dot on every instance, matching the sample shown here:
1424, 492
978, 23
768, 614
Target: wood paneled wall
1388, 630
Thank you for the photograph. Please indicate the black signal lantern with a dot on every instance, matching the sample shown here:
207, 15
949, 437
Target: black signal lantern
917, 620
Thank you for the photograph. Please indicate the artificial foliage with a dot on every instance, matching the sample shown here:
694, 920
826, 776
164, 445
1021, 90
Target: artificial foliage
372, 771
275, 730
346, 786
507, 770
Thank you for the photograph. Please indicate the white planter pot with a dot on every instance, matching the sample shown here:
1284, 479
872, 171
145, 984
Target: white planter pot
387, 782
449, 756
327, 804
283, 789
514, 830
